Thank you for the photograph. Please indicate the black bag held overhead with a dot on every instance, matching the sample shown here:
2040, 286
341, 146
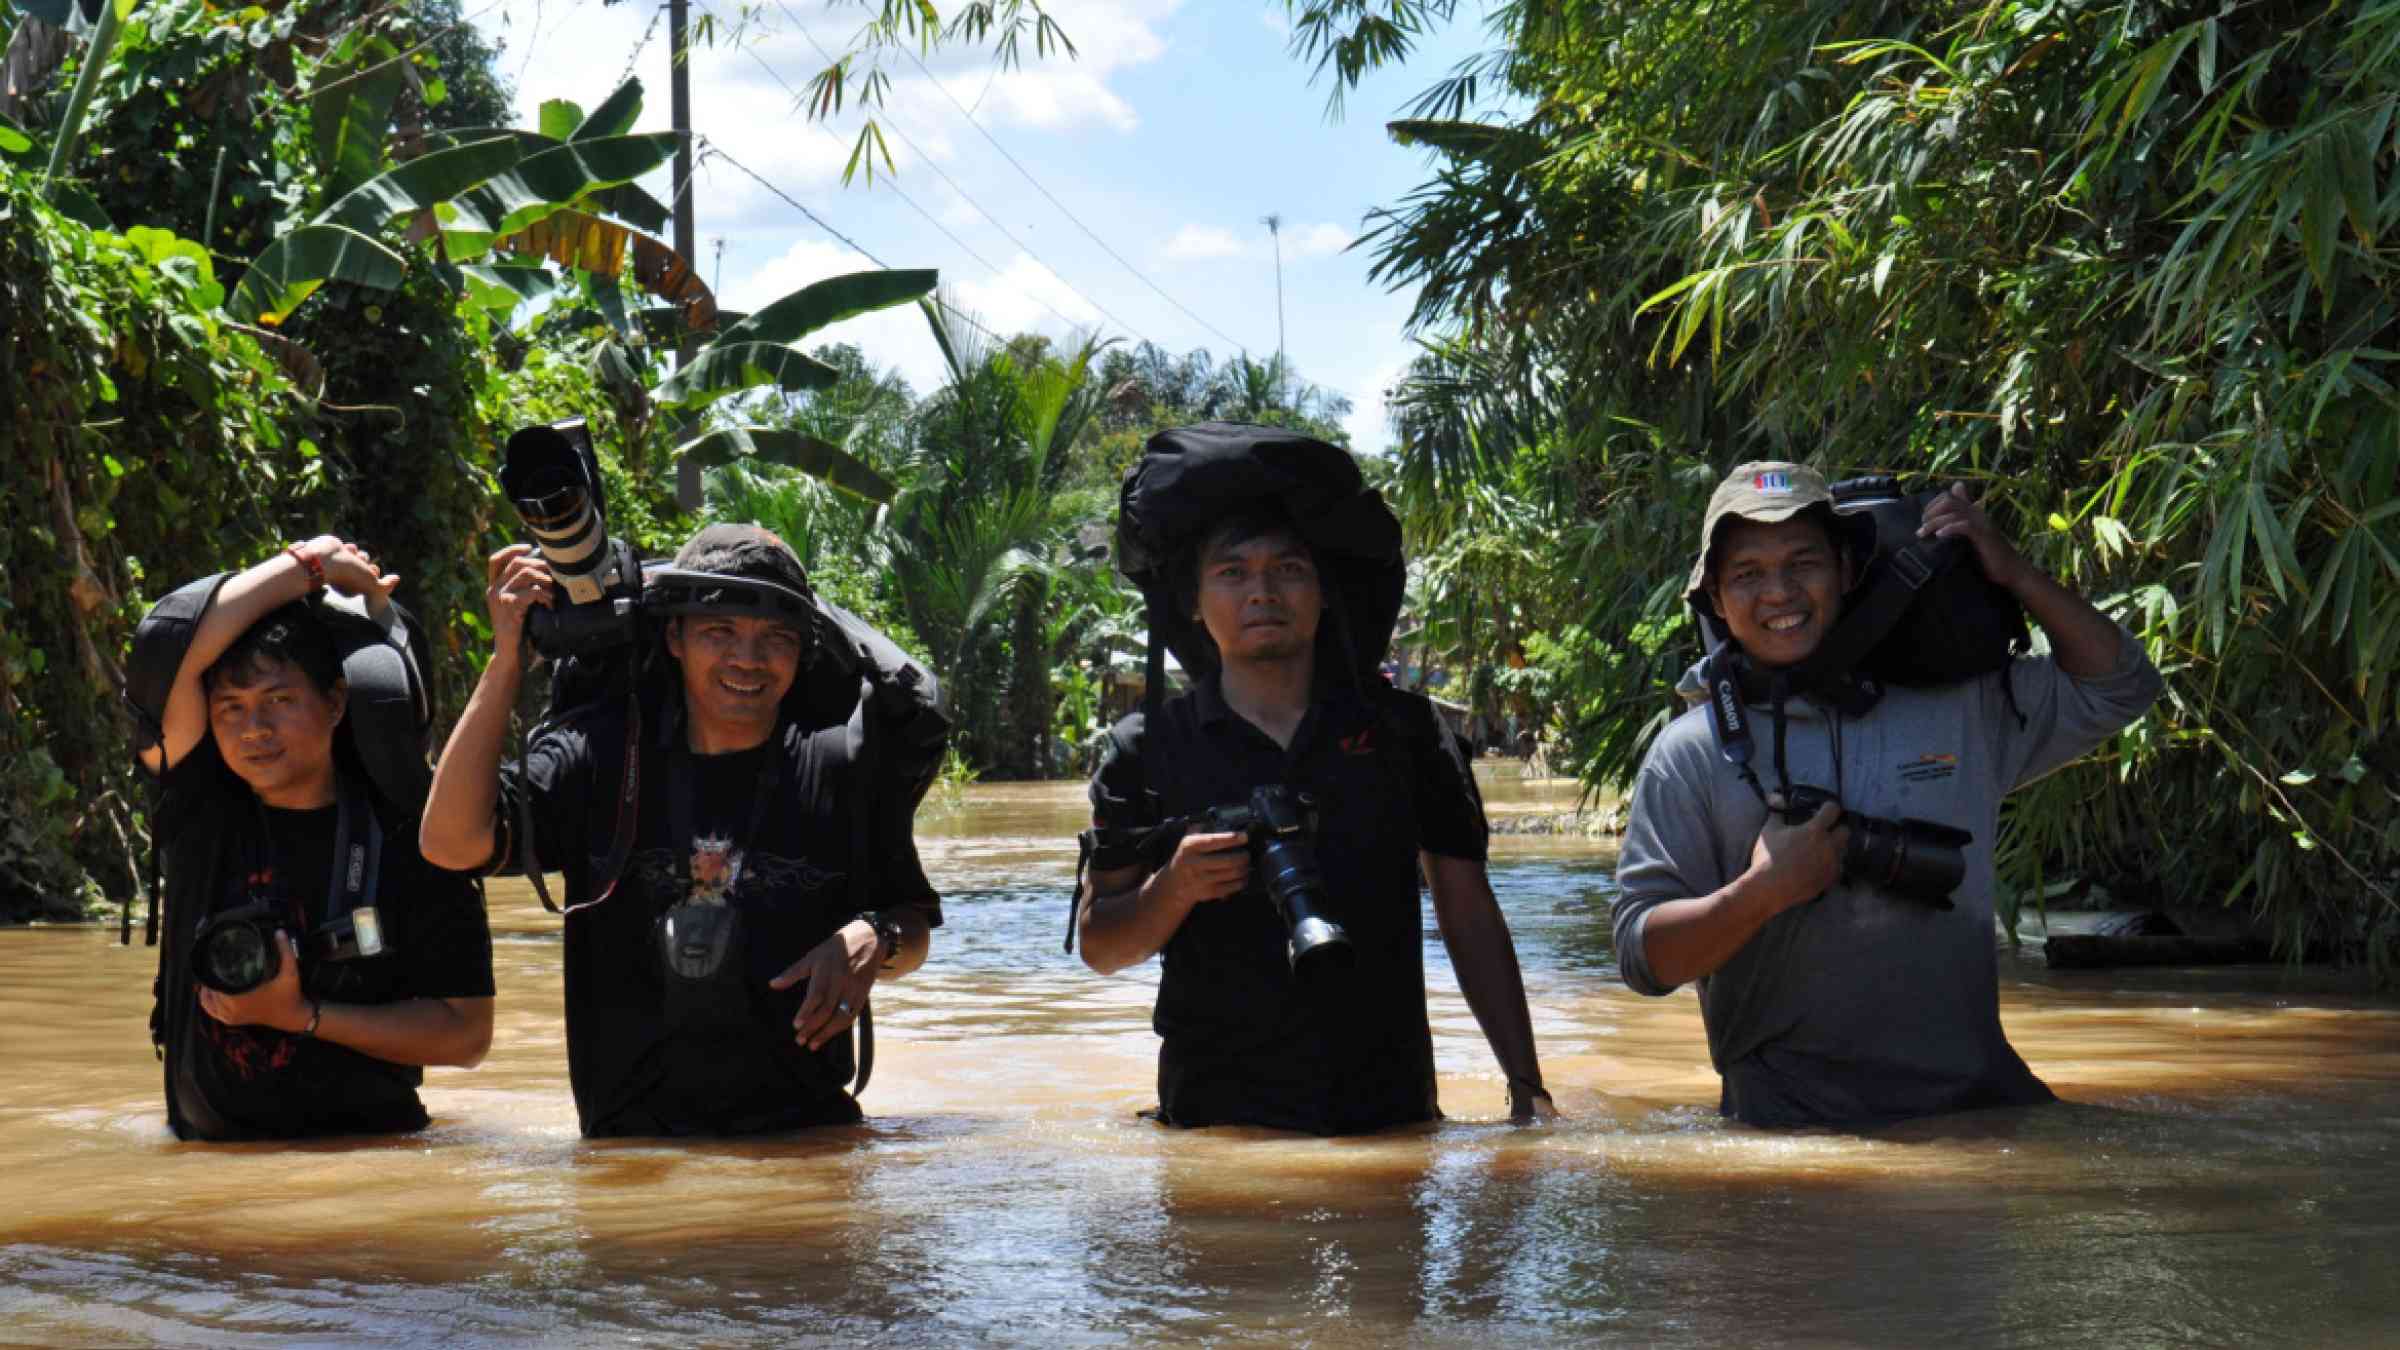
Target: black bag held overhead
1921, 613
1947, 622
1191, 477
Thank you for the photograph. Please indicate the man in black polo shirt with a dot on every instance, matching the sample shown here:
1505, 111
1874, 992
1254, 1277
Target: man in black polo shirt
259, 800
713, 978
1245, 1040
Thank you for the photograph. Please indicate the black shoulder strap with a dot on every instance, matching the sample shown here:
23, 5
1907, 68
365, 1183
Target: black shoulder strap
629, 800
1875, 608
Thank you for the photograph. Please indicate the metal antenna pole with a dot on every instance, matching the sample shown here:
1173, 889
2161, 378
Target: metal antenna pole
1274, 224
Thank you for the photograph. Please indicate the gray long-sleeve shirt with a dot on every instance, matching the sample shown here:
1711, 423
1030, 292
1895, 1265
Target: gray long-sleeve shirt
1861, 1006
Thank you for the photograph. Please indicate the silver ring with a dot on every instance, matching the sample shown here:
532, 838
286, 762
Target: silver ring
841, 1005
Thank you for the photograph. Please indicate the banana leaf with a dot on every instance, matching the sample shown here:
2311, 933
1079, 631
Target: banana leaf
291, 269
816, 458
615, 116
419, 185
628, 202
504, 286
347, 121
830, 301
723, 368
543, 184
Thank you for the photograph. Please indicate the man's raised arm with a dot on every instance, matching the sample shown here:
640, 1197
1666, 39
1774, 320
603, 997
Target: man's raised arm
456, 832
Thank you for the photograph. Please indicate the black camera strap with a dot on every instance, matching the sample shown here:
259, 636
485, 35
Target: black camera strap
629, 798
357, 866
1732, 685
1729, 714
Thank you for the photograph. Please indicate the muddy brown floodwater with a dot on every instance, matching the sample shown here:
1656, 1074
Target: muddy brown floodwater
2227, 1173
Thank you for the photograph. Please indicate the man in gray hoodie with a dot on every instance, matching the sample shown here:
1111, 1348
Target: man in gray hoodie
1830, 1001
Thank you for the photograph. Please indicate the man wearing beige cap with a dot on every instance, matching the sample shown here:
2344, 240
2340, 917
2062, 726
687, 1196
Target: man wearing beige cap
1830, 999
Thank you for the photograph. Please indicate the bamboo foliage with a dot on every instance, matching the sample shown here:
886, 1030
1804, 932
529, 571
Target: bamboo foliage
2120, 266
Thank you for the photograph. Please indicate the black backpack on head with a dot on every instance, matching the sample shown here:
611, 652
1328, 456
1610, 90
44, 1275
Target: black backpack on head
1189, 478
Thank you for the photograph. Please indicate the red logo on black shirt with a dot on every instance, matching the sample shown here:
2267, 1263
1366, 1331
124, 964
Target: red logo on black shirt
1361, 744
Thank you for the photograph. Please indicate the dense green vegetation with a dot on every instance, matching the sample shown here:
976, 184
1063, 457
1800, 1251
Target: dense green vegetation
2118, 265
285, 269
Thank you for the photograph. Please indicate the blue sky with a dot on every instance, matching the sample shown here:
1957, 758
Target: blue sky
1177, 127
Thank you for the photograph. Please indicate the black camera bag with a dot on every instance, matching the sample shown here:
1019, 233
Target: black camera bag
1948, 622
1921, 614
1188, 478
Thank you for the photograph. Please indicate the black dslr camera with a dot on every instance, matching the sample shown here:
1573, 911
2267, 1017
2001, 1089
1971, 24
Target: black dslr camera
1281, 825
1917, 860
552, 476
236, 951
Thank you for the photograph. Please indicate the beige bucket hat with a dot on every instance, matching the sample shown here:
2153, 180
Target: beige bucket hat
1763, 490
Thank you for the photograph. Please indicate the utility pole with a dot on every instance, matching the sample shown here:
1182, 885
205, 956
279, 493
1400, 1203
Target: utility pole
679, 100
1274, 224
688, 491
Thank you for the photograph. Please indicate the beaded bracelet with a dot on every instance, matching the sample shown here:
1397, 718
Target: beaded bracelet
316, 569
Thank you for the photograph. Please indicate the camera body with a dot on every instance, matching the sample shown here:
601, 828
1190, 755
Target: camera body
1918, 860
236, 951
1280, 826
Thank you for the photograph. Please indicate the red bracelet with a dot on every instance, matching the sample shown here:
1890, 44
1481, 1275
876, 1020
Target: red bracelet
316, 569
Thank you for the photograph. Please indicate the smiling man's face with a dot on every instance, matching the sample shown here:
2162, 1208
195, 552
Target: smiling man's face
1260, 597
1778, 585
736, 671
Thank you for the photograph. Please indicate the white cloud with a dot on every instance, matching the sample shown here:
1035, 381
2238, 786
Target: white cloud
1204, 241
1207, 242
1369, 422
1013, 301
889, 337
1315, 241
1050, 99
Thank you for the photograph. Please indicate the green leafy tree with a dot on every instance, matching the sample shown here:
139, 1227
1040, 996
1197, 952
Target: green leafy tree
2117, 265
981, 536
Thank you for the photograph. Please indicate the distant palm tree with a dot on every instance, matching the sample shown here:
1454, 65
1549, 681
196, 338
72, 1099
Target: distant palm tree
981, 537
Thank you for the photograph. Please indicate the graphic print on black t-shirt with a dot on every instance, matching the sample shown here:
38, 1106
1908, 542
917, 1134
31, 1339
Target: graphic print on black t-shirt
720, 869
648, 1056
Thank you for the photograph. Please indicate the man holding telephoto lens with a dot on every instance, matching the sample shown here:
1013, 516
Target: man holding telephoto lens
313, 962
1829, 880
737, 879
1262, 833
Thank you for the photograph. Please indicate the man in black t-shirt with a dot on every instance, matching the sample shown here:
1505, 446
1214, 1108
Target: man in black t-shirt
1244, 1040
254, 793
716, 959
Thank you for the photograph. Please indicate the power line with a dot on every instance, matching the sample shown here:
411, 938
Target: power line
634, 57
715, 151
919, 152
930, 219
1062, 206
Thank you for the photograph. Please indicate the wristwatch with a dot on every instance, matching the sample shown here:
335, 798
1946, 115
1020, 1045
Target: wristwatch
888, 932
